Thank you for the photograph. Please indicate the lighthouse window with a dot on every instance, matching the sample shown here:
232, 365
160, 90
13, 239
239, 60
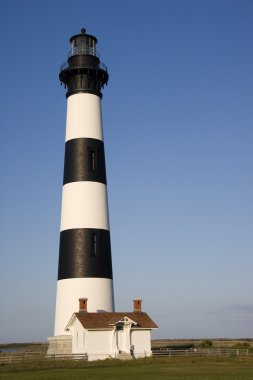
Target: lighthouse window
94, 244
92, 160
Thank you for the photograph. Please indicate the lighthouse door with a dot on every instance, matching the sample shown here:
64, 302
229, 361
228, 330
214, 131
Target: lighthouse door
120, 337
123, 336
121, 341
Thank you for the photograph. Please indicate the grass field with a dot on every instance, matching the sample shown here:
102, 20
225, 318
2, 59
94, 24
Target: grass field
183, 368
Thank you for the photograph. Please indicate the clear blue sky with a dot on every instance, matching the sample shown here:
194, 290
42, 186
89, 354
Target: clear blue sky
177, 118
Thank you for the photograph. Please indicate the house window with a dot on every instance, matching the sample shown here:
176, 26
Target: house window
119, 327
77, 338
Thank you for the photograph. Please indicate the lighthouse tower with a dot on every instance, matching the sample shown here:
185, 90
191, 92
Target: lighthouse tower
85, 266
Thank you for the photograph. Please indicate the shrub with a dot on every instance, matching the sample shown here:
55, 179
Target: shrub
206, 344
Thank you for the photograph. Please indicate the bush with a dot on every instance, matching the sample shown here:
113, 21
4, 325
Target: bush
242, 345
206, 344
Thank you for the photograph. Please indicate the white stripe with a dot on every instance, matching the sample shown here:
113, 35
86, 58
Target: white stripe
84, 205
99, 292
84, 117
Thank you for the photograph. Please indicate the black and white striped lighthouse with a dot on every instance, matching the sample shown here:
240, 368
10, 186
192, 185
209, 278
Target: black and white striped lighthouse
85, 265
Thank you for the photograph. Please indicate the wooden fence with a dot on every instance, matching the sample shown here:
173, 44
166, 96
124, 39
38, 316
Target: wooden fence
21, 356
33, 356
200, 352
30, 356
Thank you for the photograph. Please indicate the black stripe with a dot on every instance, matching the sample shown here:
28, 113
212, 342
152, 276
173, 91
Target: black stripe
84, 161
85, 252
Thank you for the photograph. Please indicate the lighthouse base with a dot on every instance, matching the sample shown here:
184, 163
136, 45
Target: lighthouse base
59, 345
99, 292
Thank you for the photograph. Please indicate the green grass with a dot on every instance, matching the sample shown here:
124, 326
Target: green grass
199, 368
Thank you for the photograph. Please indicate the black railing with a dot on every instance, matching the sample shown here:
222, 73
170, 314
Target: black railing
83, 51
65, 65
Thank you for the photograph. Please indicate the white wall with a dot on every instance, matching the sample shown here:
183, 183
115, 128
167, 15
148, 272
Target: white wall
100, 342
79, 338
141, 340
96, 344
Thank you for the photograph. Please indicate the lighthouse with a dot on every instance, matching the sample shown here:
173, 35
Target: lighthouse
85, 264
86, 323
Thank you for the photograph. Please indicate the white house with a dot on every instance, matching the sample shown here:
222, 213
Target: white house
103, 335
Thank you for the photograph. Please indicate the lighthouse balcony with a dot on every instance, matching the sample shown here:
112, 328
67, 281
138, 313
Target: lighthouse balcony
65, 65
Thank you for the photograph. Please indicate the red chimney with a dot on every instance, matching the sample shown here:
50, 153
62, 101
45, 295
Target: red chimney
83, 305
137, 305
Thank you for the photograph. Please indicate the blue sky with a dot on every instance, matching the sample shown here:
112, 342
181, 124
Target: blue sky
177, 116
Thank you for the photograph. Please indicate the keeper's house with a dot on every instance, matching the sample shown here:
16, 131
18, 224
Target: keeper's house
102, 335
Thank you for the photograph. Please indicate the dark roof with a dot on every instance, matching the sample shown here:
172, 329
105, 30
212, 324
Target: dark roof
106, 320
